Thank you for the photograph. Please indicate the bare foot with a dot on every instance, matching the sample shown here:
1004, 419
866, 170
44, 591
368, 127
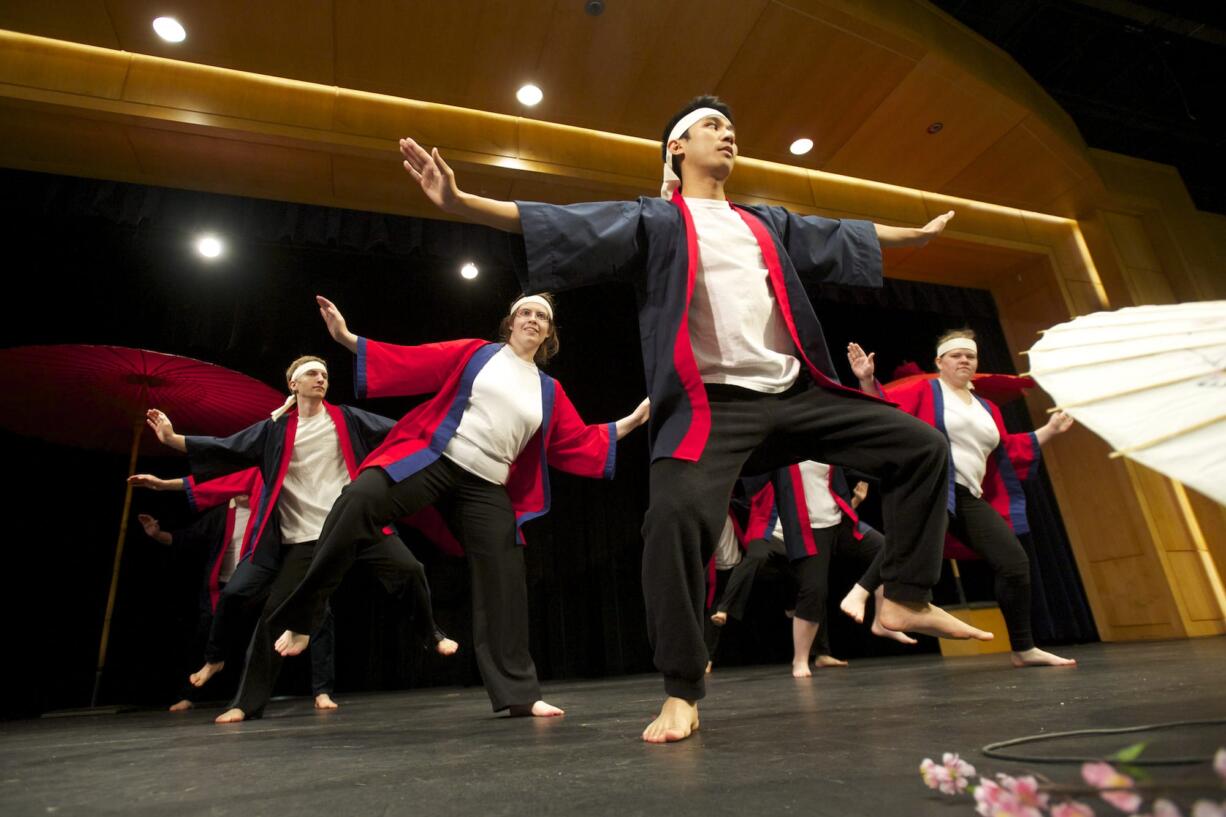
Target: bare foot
181, 706
540, 709
201, 676
708, 668
291, 643
324, 701
828, 661
678, 719
911, 617
800, 669
1034, 657
231, 716
901, 638
446, 646
853, 603
719, 619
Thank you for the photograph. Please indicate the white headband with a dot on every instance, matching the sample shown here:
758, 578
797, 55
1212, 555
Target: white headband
532, 299
292, 400
957, 343
671, 180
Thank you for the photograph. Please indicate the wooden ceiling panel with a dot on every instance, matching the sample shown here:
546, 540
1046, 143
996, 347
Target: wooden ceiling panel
471, 53
358, 179
671, 72
893, 143
78, 21
960, 263
797, 76
283, 38
39, 139
52, 65
228, 166
1015, 171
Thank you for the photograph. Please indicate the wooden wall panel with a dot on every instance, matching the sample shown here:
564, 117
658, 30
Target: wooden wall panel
78, 21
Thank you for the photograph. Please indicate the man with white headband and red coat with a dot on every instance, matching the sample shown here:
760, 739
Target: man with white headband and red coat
307, 452
484, 442
987, 466
737, 369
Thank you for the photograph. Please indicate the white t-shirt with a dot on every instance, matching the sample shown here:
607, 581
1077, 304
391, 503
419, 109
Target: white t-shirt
728, 551
316, 475
823, 510
242, 514
737, 329
972, 437
503, 412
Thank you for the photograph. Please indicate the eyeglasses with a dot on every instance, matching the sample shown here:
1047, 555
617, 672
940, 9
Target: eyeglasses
527, 312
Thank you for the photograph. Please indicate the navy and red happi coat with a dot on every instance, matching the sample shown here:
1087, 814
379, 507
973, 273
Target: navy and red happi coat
778, 499
1014, 460
448, 370
651, 244
268, 446
202, 496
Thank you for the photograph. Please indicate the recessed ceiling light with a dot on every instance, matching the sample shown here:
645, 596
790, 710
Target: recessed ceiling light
469, 271
209, 246
170, 29
529, 95
801, 146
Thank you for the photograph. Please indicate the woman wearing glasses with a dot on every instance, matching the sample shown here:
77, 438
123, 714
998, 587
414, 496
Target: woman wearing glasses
483, 441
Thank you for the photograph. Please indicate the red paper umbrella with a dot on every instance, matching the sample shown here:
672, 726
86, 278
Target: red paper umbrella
999, 388
96, 397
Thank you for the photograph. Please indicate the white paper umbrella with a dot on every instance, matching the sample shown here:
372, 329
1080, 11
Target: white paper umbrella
1151, 381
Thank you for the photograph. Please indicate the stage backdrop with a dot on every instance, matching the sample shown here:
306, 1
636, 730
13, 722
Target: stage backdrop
102, 262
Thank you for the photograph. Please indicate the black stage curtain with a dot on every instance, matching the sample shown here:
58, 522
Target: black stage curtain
112, 263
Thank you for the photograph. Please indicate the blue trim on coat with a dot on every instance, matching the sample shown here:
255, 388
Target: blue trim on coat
938, 416
359, 370
406, 467
610, 463
1013, 485
191, 495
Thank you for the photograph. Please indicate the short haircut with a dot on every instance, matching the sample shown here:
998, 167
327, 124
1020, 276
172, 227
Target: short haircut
693, 105
551, 345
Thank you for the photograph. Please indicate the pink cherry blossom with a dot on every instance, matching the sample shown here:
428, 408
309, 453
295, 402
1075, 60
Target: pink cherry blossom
1207, 808
958, 771
1104, 776
936, 776
1165, 808
1071, 808
1026, 790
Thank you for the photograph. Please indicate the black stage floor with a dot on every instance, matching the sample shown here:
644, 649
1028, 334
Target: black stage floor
846, 742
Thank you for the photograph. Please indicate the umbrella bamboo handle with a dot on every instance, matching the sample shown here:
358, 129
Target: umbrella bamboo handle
123, 533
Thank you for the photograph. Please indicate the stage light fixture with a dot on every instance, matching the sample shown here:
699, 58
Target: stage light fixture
469, 271
209, 246
529, 95
801, 146
170, 29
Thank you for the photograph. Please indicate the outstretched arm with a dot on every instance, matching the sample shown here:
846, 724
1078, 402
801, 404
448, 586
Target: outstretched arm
153, 530
165, 432
1058, 424
156, 483
912, 236
634, 419
437, 181
863, 366
337, 327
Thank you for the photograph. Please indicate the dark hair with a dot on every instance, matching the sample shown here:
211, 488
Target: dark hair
693, 105
299, 361
551, 345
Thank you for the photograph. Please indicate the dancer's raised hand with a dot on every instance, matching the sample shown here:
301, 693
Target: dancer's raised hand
155, 483
935, 227
337, 327
165, 432
863, 366
436, 178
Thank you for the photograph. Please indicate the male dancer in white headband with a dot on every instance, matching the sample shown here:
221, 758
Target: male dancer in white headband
738, 372
307, 452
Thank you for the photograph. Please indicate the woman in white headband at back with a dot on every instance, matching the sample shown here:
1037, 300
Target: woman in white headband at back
987, 465
483, 441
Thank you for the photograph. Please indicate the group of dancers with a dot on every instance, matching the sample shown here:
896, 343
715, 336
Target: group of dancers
740, 383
